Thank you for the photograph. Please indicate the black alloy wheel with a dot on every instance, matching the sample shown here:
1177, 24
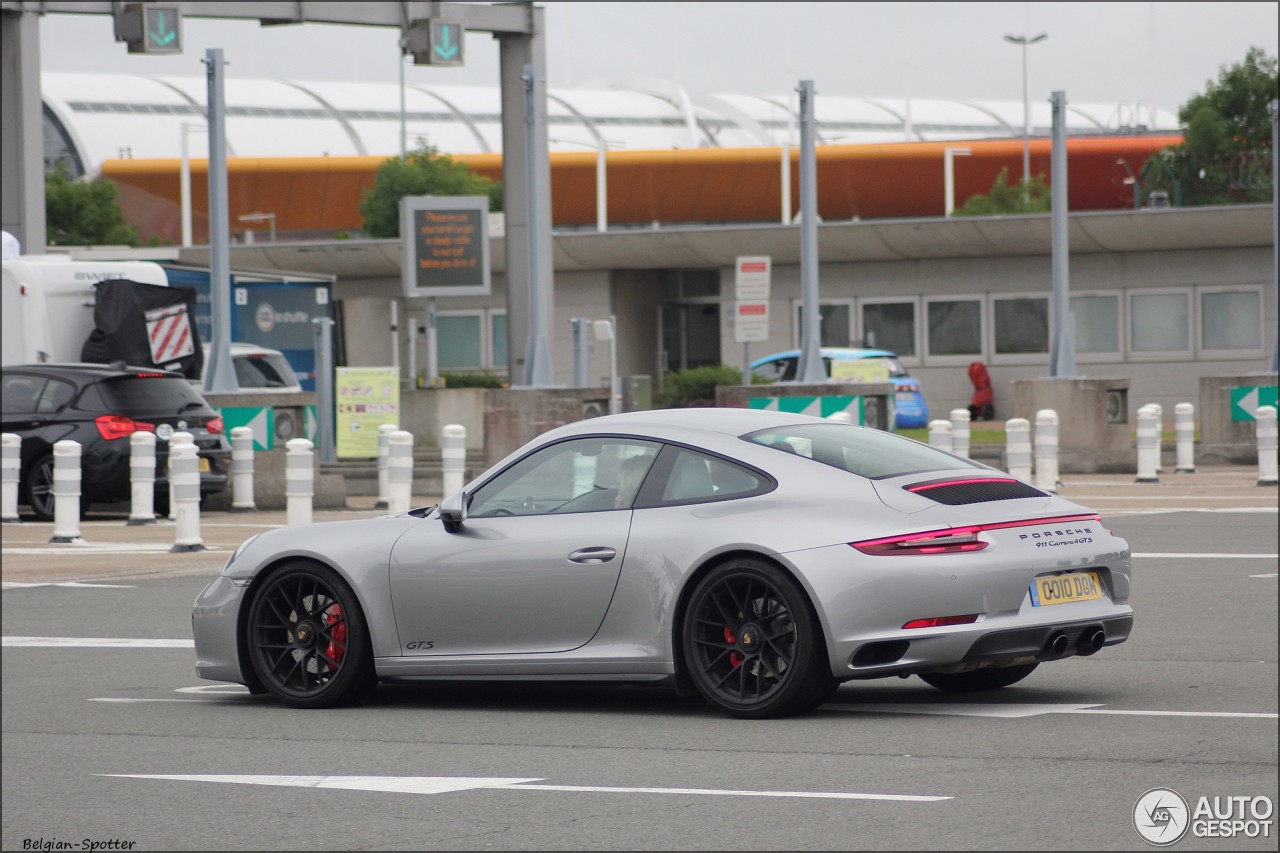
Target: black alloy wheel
752, 645
307, 638
978, 679
40, 488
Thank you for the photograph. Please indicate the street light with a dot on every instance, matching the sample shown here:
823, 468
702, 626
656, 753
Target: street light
1026, 113
949, 174
1131, 180
184, 193
602, 186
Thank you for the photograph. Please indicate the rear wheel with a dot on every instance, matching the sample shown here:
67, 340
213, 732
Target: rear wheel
752, 645
978, 679
308, 639
39, 488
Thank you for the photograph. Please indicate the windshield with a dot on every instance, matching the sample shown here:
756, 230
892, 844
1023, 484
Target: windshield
150, 395
866, 452
261, 370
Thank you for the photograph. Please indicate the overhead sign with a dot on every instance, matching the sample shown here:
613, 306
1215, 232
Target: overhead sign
444, 243
1245, 399
752, 277
367, 397
435, 42
750, 322
149, 28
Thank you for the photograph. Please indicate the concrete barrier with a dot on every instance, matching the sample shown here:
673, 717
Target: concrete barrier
1266, 418
960, 432
12, 468
184, 480
1148, 445
1017, 435
1184, 435
300, 481
453, 456
142, 478
66, 491
400, 474
242, 470
1046, 450
176, 440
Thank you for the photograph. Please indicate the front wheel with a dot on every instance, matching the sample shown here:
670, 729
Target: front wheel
308, 639
978, 679
752, 645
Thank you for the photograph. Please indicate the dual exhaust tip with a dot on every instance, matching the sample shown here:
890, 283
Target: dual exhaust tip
1090, 642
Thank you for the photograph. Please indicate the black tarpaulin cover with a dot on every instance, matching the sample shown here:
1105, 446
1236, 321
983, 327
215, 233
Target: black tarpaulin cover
147, 325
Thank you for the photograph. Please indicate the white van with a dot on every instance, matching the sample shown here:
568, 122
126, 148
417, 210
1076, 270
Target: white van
48, 303
259, 370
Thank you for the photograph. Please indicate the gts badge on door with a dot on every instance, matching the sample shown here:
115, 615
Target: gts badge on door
420, 644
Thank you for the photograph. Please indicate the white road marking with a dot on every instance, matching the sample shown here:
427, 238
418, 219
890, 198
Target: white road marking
92, 549
127, 701
68, 584
1172, 713
93, 643
1172, 556
1016, 711
1272, 575
446, 784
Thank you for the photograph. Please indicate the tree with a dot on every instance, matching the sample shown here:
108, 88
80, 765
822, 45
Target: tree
1004, 199
83, 213
1225, 153
424, 171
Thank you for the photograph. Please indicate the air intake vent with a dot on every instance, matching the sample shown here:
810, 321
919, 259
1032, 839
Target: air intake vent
975, 490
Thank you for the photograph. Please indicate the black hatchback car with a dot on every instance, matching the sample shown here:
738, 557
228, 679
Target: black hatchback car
100, 406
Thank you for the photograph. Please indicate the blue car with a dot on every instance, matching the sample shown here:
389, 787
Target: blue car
908, 401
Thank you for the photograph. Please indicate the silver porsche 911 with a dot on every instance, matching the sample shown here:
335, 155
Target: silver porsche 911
758, 559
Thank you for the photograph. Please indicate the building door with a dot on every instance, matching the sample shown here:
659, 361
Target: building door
689, 320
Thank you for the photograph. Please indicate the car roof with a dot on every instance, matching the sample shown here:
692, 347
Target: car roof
837, 353
241, 348
85, 368
722, 421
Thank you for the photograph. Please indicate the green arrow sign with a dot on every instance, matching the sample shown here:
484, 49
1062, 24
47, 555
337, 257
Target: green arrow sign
1246, 398
162, 35
446, 49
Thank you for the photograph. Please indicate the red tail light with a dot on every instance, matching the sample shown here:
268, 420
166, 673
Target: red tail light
215, 426
942, 621
150, 375
112, 427
953, 539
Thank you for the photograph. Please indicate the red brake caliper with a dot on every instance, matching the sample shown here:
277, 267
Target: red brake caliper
735, 657
332, 617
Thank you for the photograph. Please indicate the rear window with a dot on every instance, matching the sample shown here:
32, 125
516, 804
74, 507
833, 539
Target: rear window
866, 452
138, 395
264, 371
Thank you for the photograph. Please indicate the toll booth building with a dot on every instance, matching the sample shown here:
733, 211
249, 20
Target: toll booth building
1162, 297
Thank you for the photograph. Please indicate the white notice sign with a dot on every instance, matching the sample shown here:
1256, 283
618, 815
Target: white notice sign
751, 278
751, 322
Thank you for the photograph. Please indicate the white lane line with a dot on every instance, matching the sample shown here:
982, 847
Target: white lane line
125, 701
447, 784
67, 584
1219, 556
1272, 575
91, 550
93, 643
1255, 510
1017, 711
1173, 713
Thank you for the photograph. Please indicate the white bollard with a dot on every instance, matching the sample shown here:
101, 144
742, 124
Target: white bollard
1046, 449
384, 433
299, 480
1017, 436
400, 471
176, 440
940, 435
1159, 410
453, 457
142, 478
1184, 433
1148, 445
960, 432
242, 470
12, 462
184, 480
66, 491
1266, 416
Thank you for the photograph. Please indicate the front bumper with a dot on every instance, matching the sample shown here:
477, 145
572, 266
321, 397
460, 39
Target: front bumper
215, 626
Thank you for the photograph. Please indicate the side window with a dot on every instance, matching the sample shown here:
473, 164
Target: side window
583, 475
774, 370
56, 395
21, 393
684, 476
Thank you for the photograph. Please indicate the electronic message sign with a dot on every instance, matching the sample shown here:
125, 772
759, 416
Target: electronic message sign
444, 243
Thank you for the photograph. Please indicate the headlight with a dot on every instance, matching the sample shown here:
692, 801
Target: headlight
236, 552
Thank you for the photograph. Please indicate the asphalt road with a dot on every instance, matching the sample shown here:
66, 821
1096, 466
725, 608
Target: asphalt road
1056, 762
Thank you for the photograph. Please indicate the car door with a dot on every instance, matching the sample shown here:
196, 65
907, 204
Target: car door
534, 566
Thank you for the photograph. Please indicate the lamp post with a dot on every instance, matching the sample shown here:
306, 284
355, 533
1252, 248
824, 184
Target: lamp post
1131, 180
949, 174
602, 182
184, 193
1026, 112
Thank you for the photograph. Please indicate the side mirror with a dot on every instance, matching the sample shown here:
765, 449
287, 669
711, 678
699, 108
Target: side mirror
453, 511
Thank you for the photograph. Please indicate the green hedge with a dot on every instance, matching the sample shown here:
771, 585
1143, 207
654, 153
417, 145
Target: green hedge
696, 386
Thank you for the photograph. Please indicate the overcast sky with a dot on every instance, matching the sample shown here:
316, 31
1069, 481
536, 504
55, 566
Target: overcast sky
1152, 53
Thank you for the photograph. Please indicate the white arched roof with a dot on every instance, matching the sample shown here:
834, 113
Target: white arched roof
111, 116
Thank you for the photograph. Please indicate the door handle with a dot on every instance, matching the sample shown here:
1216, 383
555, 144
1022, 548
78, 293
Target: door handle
593, 556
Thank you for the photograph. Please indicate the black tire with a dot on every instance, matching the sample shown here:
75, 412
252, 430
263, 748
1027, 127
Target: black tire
978, 679
752, 644
307, 638
38, 489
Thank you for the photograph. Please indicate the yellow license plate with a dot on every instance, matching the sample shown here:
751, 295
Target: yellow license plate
1065, 589
204, 465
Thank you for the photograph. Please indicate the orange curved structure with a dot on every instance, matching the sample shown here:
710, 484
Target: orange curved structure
721, 185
